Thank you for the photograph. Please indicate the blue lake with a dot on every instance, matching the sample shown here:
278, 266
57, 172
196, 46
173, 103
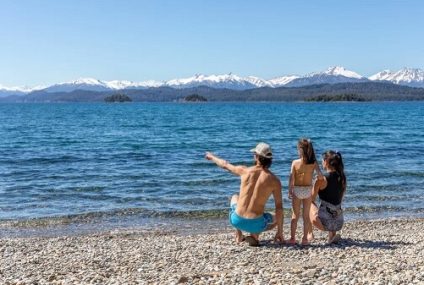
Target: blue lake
119, 160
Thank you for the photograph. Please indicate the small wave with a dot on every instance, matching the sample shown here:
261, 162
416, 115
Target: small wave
69, 219
411, 174
221, 213
385, 209
89, 189
49, 160
361, 198
92, 217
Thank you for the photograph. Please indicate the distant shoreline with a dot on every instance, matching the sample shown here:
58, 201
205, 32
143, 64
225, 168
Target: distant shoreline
223, 102
364, 91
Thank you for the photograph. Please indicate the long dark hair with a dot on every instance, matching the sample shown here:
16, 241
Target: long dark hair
335, 160
307, 150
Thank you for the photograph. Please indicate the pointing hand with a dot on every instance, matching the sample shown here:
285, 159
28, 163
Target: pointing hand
208, 155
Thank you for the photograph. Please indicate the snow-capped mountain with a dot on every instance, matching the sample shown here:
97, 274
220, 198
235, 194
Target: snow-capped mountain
5, 91
258, 82
91, 84
283, 80
9, 91
230, 81
332, 75
406, 76
413, 77
124, 84
340, 71
382, 75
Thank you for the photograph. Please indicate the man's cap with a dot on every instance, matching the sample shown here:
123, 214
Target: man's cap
263, 149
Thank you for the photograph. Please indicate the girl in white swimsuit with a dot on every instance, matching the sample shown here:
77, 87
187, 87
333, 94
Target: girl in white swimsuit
300, 188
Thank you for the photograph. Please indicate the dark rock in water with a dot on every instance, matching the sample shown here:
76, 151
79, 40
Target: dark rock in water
118, 98
195, 98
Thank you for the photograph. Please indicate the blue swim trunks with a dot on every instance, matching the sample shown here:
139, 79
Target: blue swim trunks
253, 226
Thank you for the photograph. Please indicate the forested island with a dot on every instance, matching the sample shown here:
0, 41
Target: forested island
195, 98
118, 98
335, 98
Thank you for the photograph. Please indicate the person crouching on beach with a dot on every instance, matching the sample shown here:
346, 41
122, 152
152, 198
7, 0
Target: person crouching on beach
300, 188
257, 184
329, 216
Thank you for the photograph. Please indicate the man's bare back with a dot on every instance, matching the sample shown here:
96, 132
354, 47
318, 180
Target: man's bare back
257, 185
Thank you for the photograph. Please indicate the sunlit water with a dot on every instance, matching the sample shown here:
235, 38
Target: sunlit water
114, 161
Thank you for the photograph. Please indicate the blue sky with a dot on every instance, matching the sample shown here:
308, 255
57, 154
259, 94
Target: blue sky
50, 41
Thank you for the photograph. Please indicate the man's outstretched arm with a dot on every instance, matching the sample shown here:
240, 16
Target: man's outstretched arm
237, 170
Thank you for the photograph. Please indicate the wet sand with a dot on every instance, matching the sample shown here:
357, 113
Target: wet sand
370, 252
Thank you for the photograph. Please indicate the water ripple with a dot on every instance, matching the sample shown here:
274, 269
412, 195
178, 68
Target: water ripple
89, 160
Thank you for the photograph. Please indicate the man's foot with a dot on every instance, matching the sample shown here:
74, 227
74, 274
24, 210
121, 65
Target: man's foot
311, 237
291, 241
252, 241
239, 237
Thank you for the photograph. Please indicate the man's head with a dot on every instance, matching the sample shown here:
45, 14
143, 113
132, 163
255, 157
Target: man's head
263, 154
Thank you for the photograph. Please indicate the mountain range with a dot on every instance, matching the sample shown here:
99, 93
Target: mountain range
407, 76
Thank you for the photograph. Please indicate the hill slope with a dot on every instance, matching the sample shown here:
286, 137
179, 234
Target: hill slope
374, 91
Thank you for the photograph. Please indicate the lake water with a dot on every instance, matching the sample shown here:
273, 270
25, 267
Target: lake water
127, 162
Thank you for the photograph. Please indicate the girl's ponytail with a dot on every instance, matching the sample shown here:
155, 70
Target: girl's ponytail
307, 150
339, 167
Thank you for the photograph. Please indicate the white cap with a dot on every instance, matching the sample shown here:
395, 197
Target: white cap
262, 149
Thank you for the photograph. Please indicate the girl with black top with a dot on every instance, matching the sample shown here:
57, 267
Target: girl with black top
331, 190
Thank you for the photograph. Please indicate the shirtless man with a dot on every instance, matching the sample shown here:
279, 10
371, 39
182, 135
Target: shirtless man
257, 185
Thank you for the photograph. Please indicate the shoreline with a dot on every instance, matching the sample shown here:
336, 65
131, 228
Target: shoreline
188, 225
371, 252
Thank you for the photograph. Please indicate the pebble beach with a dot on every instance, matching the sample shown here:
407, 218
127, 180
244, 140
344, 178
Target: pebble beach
370, 252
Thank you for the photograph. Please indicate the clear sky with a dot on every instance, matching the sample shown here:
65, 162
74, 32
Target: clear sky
50, 41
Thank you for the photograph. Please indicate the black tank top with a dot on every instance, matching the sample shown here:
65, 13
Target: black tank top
333, 193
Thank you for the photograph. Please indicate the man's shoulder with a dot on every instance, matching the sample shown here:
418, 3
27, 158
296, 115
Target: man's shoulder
273, 178
250, 169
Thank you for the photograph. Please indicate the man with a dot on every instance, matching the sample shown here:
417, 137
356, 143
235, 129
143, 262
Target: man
257, 185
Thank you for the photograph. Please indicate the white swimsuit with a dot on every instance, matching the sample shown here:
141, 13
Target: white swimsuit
302, 192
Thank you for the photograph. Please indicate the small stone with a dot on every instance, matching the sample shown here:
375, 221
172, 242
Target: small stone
183, 279
310, 273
